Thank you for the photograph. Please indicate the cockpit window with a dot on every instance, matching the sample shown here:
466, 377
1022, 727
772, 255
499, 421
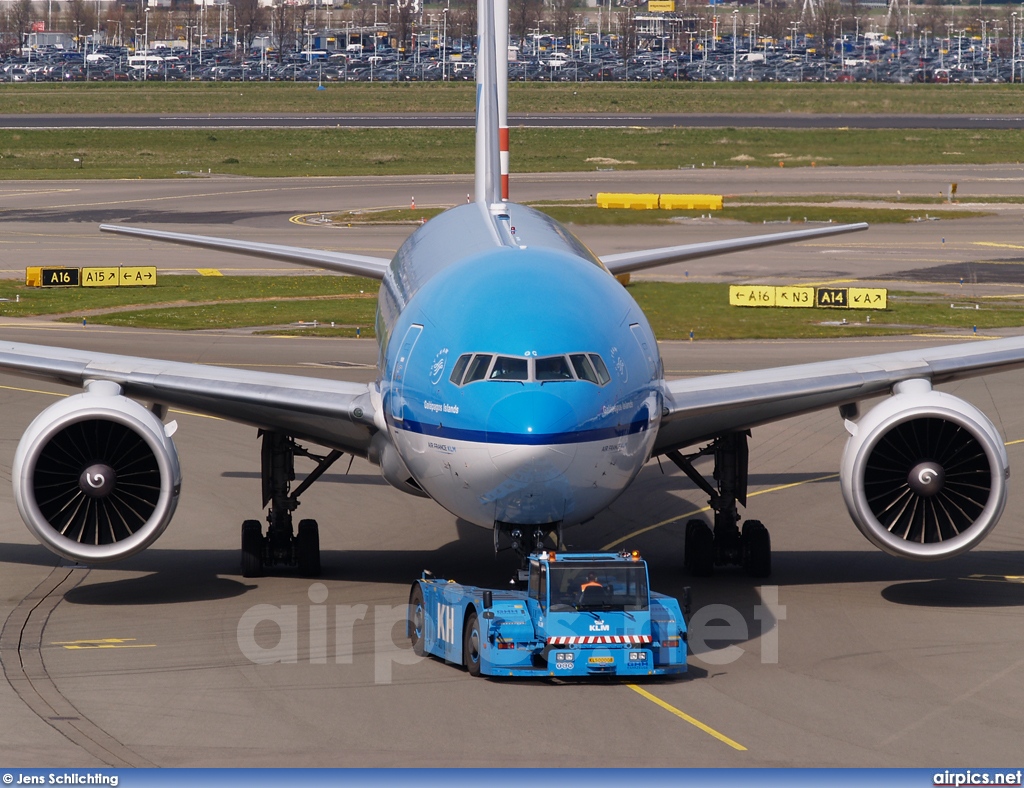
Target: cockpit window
508, 368
460, 368
478, 367
584, 369
599, 367
552, 368
588, 367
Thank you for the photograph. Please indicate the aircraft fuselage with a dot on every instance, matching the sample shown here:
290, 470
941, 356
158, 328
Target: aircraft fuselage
520, 382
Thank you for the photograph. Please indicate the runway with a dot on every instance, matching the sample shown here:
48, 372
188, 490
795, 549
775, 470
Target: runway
847, 657
523, 120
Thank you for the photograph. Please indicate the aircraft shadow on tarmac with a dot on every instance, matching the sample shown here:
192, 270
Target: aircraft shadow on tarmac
119, 214
979, 272
330, 478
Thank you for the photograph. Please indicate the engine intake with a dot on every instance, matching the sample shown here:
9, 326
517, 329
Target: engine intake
924, 473
96, 476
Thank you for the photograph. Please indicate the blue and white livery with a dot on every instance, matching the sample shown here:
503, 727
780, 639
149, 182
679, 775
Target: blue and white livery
520, 387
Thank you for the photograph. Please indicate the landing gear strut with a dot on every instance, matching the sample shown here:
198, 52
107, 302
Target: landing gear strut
280, 546
750, 548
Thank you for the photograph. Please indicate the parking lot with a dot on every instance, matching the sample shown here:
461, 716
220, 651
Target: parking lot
961, 57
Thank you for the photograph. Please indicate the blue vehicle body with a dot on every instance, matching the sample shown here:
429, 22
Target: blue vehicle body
583, 614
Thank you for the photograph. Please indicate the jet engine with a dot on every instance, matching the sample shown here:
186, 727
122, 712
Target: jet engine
924, 473
96, 476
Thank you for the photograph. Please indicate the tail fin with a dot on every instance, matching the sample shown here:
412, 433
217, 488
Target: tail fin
501, 63
488, 159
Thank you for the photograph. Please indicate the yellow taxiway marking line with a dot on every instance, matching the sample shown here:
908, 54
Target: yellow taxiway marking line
684, 716
55, 394
74, 645
765, 491
826, 283
997, 578
208, 272
998, 246
679, 517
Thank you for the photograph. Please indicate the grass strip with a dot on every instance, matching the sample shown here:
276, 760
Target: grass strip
22, 301
607, 97
756, 214
674, 309
133, 153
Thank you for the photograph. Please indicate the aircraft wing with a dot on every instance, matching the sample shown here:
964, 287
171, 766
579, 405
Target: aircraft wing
355, 264
331, 413
627, 262
697, 409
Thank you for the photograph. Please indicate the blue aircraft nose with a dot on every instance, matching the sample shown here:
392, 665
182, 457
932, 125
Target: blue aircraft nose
530, 433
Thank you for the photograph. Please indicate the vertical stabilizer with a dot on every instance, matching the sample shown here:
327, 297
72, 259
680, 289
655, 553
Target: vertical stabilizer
501, 63
488, 168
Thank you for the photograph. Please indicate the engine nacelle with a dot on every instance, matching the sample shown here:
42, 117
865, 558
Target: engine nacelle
96, 476
924, 473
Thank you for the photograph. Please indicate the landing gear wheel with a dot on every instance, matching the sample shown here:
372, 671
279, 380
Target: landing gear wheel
252, 549
471, 645
691, 526
308, 548
756, 549
417, 621
699, 549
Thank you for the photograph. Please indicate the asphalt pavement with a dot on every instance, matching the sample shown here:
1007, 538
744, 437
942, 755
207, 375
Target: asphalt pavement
845, 657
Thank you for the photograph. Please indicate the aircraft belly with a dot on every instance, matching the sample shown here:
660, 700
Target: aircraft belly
483, 483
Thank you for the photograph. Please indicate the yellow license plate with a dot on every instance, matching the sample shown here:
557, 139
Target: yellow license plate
601, 660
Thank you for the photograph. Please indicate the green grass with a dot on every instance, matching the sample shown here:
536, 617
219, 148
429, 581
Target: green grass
346, 314
34, 301
676, 309
682, 97
756, 214
129, 153
193, 302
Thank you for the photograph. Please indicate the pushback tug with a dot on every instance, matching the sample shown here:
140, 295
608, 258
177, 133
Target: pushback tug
583, 614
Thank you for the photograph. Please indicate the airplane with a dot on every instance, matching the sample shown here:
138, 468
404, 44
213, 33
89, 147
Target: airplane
519, 386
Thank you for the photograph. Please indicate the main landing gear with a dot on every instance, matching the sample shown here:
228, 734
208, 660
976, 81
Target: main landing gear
704, 549
281, 546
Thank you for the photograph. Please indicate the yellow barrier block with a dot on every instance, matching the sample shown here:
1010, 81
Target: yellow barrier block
691, 202
794, 296
33, 276
99, 277
638, 202
868, 298
751, 295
